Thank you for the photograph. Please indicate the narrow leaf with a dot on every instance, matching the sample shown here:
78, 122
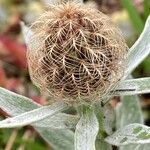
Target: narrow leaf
128, 111
86, 131
32, 116
15, 104
59, 139
58, 121
131, 134
133, 87
140, 50
29, 35
100, 117
109, 118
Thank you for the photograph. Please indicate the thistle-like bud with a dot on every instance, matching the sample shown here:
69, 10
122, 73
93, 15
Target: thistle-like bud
76, 53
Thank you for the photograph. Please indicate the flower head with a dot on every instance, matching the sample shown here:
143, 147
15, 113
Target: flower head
80, 53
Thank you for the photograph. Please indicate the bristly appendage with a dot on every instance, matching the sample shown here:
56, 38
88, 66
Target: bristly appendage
80, 54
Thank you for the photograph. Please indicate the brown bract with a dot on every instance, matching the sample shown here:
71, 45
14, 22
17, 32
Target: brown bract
76, 53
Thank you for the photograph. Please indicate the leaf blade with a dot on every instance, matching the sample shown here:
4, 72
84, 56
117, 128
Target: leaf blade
59, 139
128, 112
58, 121
86, 131
32, 116
133, 87
130, 134
139, 51
15, 104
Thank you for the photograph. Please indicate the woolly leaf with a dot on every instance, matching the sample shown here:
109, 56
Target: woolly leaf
133, 87
131, 134
128, 112
139, 51
109, 118
86, 131
58, 121
102, 145
135, 147
32, 116
27, 33
15, 104
59, 139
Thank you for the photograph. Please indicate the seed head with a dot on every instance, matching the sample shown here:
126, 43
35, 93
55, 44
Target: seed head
76, 53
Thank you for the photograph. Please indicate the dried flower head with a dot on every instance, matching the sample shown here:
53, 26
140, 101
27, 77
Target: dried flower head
80, 54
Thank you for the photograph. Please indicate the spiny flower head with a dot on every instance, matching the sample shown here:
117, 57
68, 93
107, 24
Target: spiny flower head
76, 53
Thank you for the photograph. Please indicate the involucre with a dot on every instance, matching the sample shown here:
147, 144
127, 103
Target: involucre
76, 54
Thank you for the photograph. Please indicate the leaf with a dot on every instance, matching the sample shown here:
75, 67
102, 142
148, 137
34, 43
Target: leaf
29, 35
139, 51
100, 117
135, 147
102, 145
109, 118
59, 139
86, 131
133, 87
128, 111
32, 116
15, 104
130, 134
106, 118
58, 121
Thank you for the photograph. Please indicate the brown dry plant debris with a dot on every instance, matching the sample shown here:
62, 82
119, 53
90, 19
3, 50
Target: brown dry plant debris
76, 53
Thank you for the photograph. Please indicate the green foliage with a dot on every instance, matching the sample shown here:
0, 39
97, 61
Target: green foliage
134, 15
134, 86
139, 51
129, 111
133, 133
86, 131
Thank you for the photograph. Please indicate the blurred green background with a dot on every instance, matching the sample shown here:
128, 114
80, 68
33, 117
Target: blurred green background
129, 15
